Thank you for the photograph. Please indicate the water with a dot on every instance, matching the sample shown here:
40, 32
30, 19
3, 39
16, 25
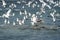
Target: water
10, 32
29, 34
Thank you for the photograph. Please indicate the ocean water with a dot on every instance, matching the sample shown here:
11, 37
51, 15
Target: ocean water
10, 29
29, 34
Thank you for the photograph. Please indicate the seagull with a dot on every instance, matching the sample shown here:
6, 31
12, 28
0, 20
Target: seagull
23, 1
14, 23
44, 4
38, 6
57, 14
43, 10
4, 4
32, 23
20, 22
20, 13
24, 18
52, 14
18, 2
56, 5
29, 3
33, 5
47, 0
34, 19
36, 2
13, 14
41, 16
25, 12
48, 6
23, 7
17, 19
7, 14
51, 1
29, 14
37, 12
41, 1
12, 5
23, 21
5, 21
8, 22
0, 16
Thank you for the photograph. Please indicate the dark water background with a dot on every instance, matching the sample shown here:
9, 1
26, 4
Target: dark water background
28, 34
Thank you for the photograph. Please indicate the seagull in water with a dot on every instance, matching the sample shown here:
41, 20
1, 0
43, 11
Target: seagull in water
34, 19
4, 4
